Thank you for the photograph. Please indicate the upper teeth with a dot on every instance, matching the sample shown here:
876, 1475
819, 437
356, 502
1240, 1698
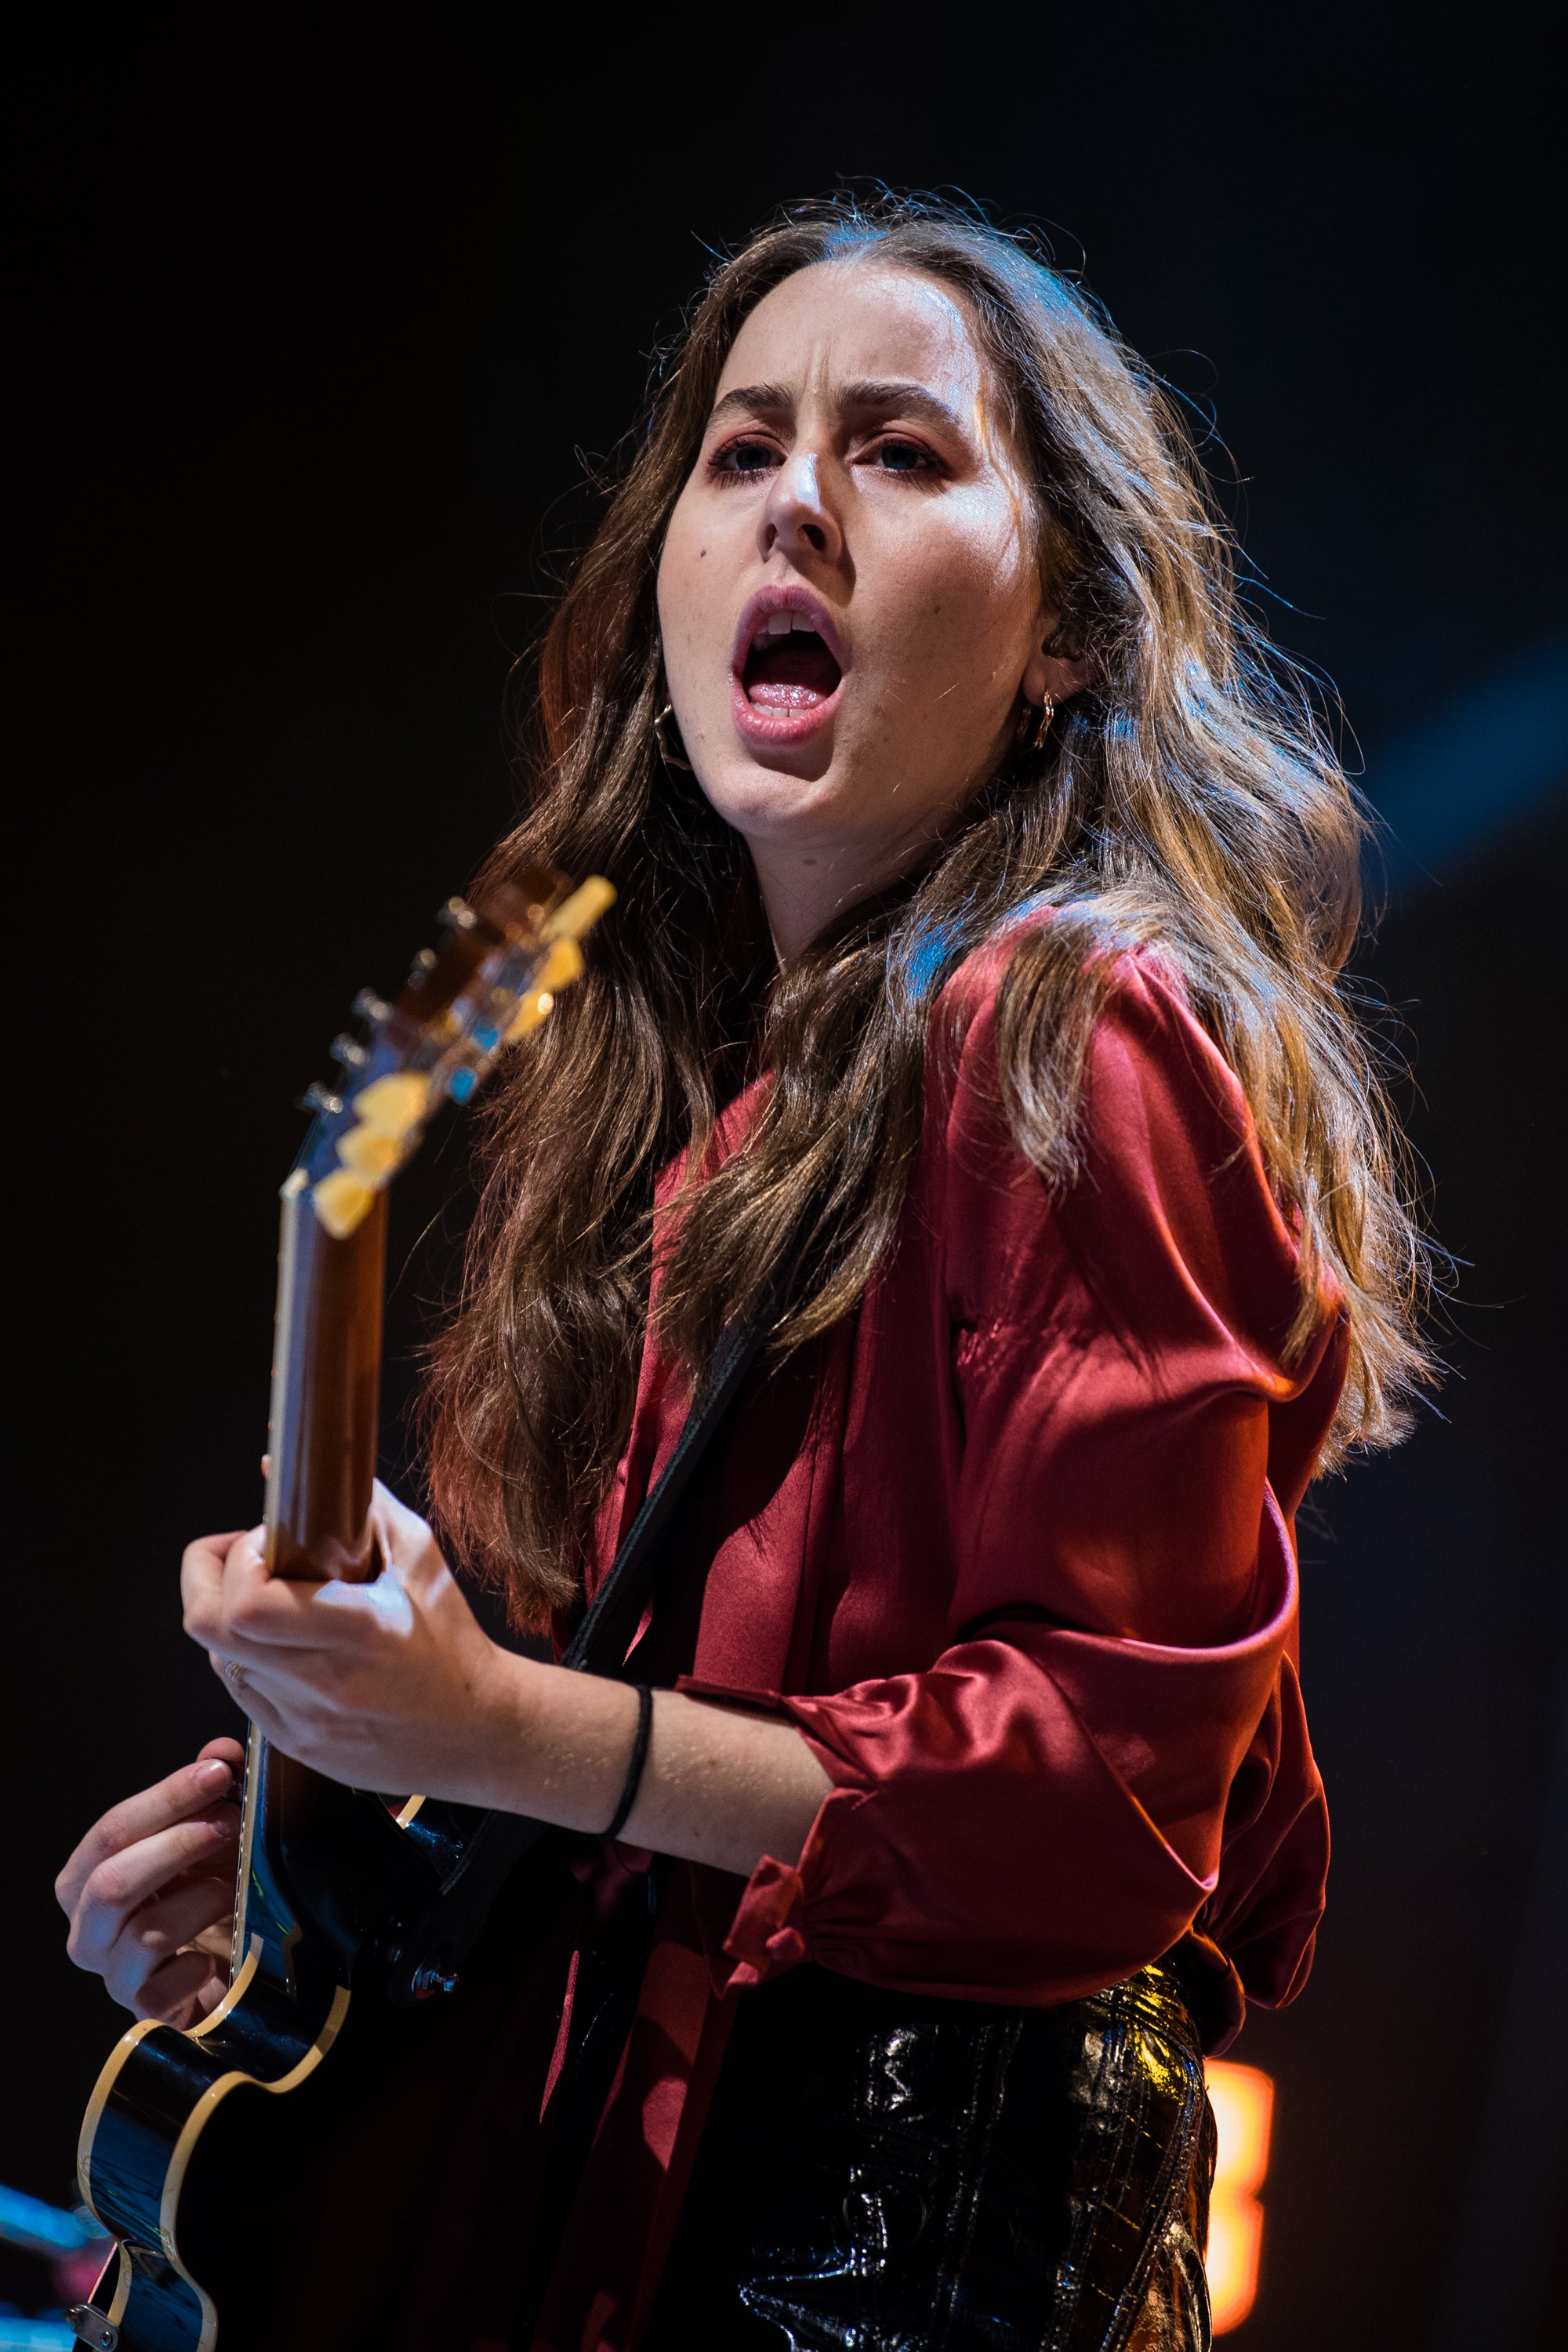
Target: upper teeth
779, 625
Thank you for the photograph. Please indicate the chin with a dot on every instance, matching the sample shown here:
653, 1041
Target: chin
769, 801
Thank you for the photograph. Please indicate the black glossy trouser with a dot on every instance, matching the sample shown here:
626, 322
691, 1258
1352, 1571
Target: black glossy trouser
881, 2174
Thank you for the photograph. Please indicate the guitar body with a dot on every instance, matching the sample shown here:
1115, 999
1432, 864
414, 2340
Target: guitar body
265, 2172
268, 2174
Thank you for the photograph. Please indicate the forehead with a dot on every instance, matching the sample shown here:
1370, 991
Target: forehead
859, 320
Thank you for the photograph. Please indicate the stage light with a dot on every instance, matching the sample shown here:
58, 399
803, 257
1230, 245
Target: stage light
1243, 2101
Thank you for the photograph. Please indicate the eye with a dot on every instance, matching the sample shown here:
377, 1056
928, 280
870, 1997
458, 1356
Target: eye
746, 455
894, 456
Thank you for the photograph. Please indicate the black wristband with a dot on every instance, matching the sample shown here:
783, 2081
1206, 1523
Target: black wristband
635, 1769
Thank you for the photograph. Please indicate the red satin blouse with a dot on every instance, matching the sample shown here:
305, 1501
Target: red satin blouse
1014, 1551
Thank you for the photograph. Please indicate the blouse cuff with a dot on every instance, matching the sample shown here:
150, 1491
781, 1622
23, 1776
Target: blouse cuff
767, 1934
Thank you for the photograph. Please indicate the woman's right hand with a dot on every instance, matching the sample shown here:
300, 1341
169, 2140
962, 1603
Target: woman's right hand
149, 1890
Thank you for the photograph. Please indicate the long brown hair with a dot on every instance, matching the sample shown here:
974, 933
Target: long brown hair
1187, 799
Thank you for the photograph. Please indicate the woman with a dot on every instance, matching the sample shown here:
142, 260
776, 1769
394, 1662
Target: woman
971, 1024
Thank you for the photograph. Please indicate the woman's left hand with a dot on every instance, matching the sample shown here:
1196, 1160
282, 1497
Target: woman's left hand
389, 1685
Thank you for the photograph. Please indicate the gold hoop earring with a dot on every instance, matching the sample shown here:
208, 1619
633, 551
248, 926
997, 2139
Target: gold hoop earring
671, 758
1042, 725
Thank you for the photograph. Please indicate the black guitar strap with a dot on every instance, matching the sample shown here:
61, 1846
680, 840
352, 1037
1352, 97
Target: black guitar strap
452, 1924
602, 1640
610, 1970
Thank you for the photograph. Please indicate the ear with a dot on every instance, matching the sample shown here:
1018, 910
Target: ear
1051, 674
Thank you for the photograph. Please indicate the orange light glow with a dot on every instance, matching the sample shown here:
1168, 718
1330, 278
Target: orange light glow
1243, 2101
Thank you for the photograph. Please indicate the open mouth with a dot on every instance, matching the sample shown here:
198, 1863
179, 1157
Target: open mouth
789, 667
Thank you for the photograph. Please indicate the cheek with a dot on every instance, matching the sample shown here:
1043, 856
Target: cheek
965, 609
690, 589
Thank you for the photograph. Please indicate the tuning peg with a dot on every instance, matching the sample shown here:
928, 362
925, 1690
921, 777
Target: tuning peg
562, 965
348, 1051
579, 913
530, 1014
316, 1096
393, 1104
371, 1007
343, 1202
369, 1154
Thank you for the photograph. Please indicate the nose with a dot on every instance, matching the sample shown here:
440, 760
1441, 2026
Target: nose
796, 520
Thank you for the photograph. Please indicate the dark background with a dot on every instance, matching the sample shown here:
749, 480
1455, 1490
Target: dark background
316, 315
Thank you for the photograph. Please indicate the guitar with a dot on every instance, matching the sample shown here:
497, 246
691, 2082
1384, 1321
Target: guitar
202, 2149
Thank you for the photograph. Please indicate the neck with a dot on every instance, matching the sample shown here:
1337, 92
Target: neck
806, 888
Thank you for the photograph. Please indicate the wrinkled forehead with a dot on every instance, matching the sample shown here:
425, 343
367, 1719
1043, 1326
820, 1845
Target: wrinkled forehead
863, 319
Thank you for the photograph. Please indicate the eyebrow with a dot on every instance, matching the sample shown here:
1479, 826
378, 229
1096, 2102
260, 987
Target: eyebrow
857, 399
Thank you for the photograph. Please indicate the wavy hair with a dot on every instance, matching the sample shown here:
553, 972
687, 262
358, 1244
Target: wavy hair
1187, 800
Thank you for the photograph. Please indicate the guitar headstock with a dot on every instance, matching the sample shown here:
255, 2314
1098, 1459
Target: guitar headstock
499, 971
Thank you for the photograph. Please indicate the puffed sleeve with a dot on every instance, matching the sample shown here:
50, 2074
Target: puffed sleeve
1048, 1806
